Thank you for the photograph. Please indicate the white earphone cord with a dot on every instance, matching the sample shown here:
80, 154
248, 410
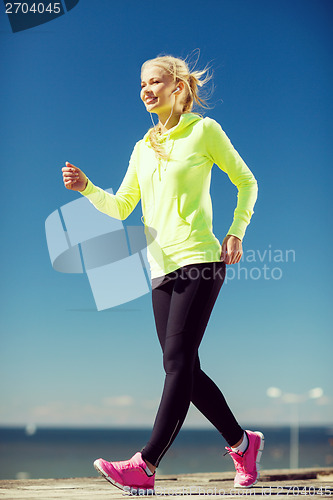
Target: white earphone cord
151, 116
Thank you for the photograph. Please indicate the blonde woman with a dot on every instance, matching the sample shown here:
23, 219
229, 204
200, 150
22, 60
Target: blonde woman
170, 172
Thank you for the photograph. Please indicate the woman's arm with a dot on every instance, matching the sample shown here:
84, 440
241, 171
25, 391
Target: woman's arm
222, 152
118, 205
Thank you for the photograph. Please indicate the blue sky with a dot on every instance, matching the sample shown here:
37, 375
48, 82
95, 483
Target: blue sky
70, 92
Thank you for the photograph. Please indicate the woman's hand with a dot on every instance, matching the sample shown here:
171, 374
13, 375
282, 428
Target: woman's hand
232, 250
74, 178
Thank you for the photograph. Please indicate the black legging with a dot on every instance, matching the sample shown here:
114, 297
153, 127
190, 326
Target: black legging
182, 307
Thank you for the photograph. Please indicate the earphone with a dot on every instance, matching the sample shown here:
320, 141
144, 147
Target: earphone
175, 90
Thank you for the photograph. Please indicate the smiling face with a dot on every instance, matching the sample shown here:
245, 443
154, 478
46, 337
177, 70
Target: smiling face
157, 86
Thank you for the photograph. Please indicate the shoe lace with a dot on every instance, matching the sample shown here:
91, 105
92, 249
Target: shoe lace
238, 462
228, 452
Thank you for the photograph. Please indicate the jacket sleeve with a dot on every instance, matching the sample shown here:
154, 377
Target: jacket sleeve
221, 151
121, 204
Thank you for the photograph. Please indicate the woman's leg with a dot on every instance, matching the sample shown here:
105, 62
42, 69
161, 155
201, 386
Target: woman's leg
182, 308
209, 400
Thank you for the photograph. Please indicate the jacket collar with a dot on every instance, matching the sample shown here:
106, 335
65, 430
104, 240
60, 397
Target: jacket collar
185, 120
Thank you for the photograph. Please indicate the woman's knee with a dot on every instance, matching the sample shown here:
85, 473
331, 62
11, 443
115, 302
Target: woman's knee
178, 362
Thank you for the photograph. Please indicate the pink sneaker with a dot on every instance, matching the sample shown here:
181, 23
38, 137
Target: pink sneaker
247, 463
129, 475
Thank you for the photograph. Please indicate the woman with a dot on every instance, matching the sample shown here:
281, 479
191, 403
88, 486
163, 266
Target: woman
170, 171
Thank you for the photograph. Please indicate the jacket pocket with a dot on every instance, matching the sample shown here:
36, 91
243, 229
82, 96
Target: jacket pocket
168, 227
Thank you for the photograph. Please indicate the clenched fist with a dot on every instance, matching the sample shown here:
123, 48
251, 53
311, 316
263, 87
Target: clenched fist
74, 178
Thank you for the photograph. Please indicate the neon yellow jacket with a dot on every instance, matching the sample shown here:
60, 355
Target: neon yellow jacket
174, 193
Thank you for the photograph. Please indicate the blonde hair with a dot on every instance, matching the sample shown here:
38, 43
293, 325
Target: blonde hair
193, 79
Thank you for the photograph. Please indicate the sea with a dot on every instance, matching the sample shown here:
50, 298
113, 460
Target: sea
39, 452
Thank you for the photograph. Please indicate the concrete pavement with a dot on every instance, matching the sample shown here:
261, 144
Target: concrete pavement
282, 484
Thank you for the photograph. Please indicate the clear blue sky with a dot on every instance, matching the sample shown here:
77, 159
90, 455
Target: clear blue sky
70, 92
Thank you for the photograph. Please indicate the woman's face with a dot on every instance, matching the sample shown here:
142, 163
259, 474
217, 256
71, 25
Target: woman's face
156, 89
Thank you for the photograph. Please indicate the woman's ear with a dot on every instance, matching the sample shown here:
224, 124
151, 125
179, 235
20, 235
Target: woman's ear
180, 87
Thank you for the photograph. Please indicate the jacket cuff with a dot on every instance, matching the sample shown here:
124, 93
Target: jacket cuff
88, 189
238, 228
